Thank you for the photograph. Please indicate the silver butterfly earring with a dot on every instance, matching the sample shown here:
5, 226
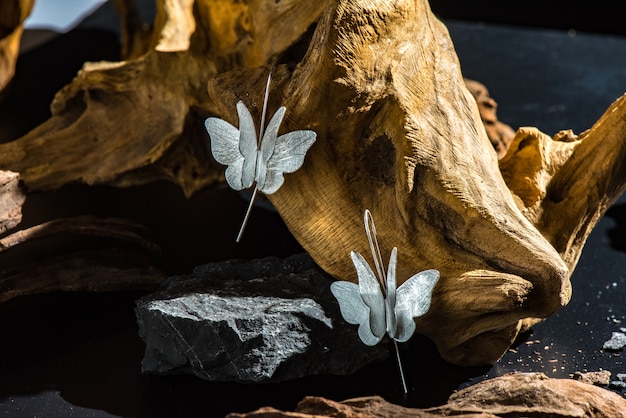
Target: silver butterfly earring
262, 161
375, 305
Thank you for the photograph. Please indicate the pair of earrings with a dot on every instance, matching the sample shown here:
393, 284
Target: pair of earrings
375, 304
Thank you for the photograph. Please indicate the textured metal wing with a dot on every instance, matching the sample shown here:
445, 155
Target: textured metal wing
371, 293
413, 300
225, 149
248, 146
267, 149
354, 310
287, 156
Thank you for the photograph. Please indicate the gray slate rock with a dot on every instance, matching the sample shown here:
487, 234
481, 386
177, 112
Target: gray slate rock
264, 320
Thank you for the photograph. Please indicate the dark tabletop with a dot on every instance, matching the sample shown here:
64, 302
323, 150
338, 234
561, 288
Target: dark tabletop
78, 354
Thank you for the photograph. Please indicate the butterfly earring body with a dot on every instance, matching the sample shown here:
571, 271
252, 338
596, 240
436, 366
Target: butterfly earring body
247, 162
364, 304
376, 304
257, 162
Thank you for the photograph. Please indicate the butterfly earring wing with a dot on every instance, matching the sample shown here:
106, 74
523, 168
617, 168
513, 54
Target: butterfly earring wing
371, 294
287, 154
354, 310
362, 304
235, 148
225, 149
248, 146
413, 300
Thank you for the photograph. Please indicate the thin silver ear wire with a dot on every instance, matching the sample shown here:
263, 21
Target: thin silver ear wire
245, 219
370, 230
267, 95
404, 387
259, 139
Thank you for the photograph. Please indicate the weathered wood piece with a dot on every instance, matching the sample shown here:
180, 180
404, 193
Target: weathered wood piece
400, 134
115, 228
12, 16
512, 395
566, 183
12, 198
129, 263
396, 145
106, 270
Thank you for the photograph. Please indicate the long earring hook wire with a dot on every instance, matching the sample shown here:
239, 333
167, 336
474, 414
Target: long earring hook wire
372, 239
259, 139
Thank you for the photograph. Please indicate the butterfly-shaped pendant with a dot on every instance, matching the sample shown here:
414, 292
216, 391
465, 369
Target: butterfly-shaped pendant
251, 161
375, 304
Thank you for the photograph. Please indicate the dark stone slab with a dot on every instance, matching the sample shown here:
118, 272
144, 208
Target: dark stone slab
250, 321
